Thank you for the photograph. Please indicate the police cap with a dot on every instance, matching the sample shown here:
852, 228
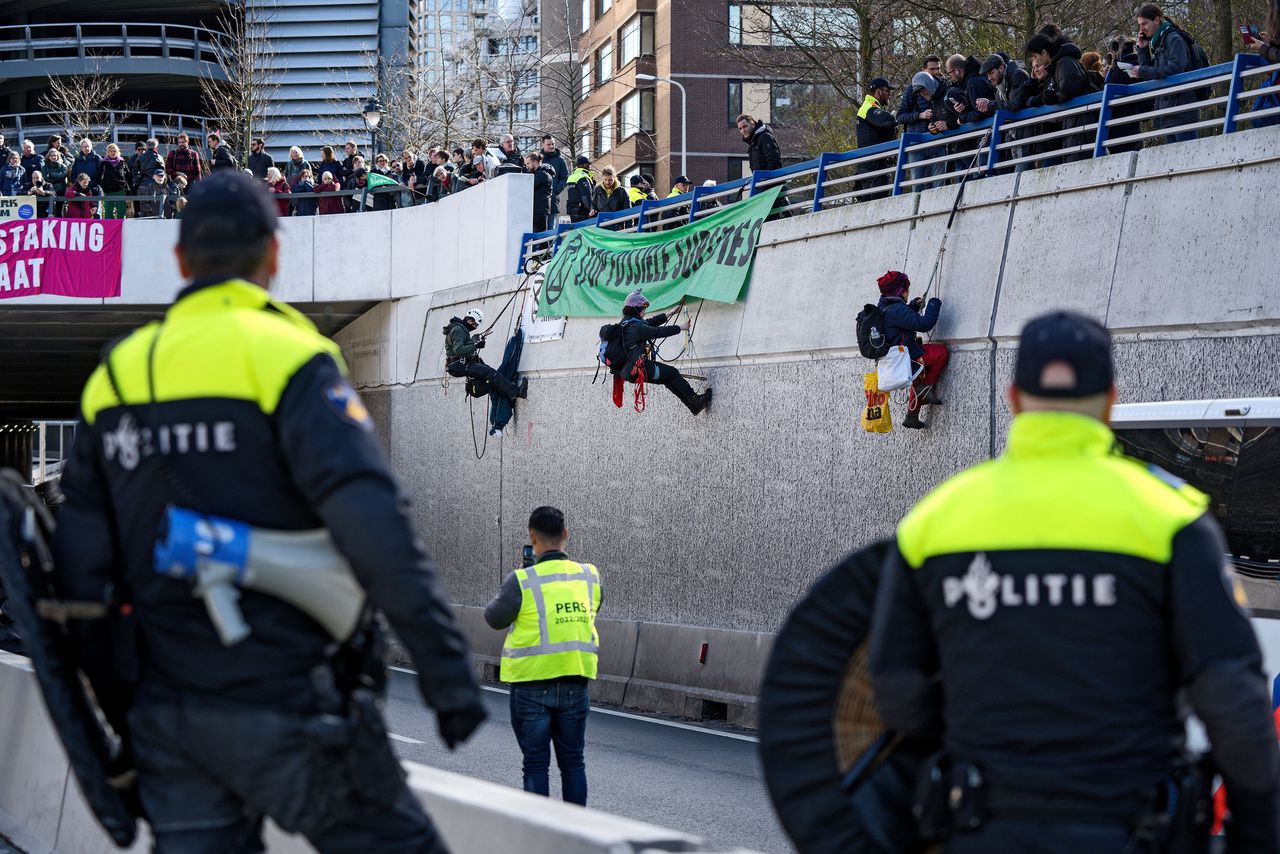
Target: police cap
1078, 344
226, 207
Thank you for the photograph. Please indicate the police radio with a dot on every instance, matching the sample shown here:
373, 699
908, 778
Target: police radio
219, 555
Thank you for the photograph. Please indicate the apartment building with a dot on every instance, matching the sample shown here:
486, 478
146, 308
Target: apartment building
635, 125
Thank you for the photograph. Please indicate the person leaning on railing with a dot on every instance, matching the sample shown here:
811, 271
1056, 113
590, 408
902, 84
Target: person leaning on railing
329, 204
43, 193
305, 206
1165, 49
153, 188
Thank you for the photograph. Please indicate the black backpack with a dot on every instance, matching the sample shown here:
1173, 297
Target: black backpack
611, 351
872, 341
1199, 59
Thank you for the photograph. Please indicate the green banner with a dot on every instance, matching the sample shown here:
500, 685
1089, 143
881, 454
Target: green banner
594, 269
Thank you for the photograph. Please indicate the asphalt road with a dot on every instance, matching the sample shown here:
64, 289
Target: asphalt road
684, 777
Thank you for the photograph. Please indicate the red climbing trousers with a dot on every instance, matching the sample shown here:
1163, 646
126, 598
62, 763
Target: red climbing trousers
934, 361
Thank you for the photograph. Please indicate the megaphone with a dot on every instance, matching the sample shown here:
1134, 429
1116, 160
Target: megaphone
219, 555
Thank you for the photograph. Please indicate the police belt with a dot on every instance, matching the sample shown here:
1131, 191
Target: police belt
1003, 802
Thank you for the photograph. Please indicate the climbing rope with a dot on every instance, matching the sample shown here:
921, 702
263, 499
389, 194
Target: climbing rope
936, 275
471, 404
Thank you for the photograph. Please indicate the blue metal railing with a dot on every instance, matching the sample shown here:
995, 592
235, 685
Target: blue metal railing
1013, 140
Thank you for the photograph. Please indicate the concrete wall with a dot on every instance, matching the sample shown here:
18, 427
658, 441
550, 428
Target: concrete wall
375, 255
722, 521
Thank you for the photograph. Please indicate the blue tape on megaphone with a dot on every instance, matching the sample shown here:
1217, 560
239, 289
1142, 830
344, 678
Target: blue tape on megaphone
192, 537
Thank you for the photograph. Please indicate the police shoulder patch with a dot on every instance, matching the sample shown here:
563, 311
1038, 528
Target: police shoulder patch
346, 404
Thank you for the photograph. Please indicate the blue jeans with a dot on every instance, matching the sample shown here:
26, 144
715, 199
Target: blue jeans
543, 715
917, 172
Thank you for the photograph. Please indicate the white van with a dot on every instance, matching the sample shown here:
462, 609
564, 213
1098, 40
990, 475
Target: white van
1230, 449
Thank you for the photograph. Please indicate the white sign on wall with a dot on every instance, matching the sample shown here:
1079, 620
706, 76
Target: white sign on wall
536, 330
17, 207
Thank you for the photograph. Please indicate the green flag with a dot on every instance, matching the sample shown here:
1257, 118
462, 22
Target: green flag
594, 269
376, 180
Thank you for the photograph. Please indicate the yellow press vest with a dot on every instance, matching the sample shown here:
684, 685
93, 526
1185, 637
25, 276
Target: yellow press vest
555, 633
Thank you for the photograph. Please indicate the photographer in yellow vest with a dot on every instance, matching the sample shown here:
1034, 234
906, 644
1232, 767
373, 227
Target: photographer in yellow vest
550, 654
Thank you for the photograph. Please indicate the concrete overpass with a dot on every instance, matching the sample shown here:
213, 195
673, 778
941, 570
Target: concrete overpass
334, 268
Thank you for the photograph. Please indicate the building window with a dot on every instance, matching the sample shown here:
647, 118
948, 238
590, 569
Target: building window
586, 15
529, 44
750, 24
604, 133
603, 6
446, 39
526, 78
749, 96
737, 168
637, 113
584, 141
526, 143
636, 39
604, 62
586, 79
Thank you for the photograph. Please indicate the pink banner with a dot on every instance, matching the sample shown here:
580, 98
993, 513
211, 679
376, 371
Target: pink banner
66, 257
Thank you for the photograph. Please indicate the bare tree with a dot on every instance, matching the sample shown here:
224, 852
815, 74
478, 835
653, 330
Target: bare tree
243, 101
82, 104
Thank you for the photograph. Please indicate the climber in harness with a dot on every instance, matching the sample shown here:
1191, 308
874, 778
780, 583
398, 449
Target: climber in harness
904, 319
462, 359
627, 349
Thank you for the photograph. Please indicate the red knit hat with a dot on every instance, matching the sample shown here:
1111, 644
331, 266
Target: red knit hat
893, 284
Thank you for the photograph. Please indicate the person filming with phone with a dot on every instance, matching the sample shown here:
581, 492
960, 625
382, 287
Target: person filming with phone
1267, 41
550, 654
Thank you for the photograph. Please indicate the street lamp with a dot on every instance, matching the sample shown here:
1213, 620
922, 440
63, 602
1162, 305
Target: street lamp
684, 118
372, 113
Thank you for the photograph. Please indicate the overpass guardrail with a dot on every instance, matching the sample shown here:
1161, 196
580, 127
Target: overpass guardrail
1115, 119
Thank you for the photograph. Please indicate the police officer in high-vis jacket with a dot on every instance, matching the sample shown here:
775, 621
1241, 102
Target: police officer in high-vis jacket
1045, 610
550, 655
233, 405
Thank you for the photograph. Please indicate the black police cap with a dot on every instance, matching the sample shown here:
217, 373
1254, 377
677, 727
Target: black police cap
1078, 342
227, 207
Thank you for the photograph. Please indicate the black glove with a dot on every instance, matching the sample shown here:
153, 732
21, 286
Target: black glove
938, 300
479, 343
916, 304
457, 725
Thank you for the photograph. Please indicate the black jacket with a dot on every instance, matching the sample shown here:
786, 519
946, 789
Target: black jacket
275, 438
221, 158
638, 333
556, 161
875, 123
605, 202
510, 163
1069, 79
115, 177
544, 181
762, 149
980, 87
259, 162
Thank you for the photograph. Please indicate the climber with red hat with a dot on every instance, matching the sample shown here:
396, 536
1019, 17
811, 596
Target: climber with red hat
904, 319
627, 347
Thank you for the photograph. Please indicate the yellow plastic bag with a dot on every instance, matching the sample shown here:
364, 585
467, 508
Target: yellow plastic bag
875, 415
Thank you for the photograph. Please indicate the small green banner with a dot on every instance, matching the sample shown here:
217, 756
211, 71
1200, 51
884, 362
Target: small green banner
377, 180
594, 269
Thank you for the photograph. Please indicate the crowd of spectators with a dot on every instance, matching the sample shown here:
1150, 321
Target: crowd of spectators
947, 94
942, 96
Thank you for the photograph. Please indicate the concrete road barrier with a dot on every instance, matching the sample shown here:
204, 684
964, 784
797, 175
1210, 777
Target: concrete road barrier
42, 811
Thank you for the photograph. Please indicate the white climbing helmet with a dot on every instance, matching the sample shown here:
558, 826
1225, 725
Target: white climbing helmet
477, 315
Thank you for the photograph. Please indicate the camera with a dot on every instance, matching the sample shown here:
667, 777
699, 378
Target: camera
526, 556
